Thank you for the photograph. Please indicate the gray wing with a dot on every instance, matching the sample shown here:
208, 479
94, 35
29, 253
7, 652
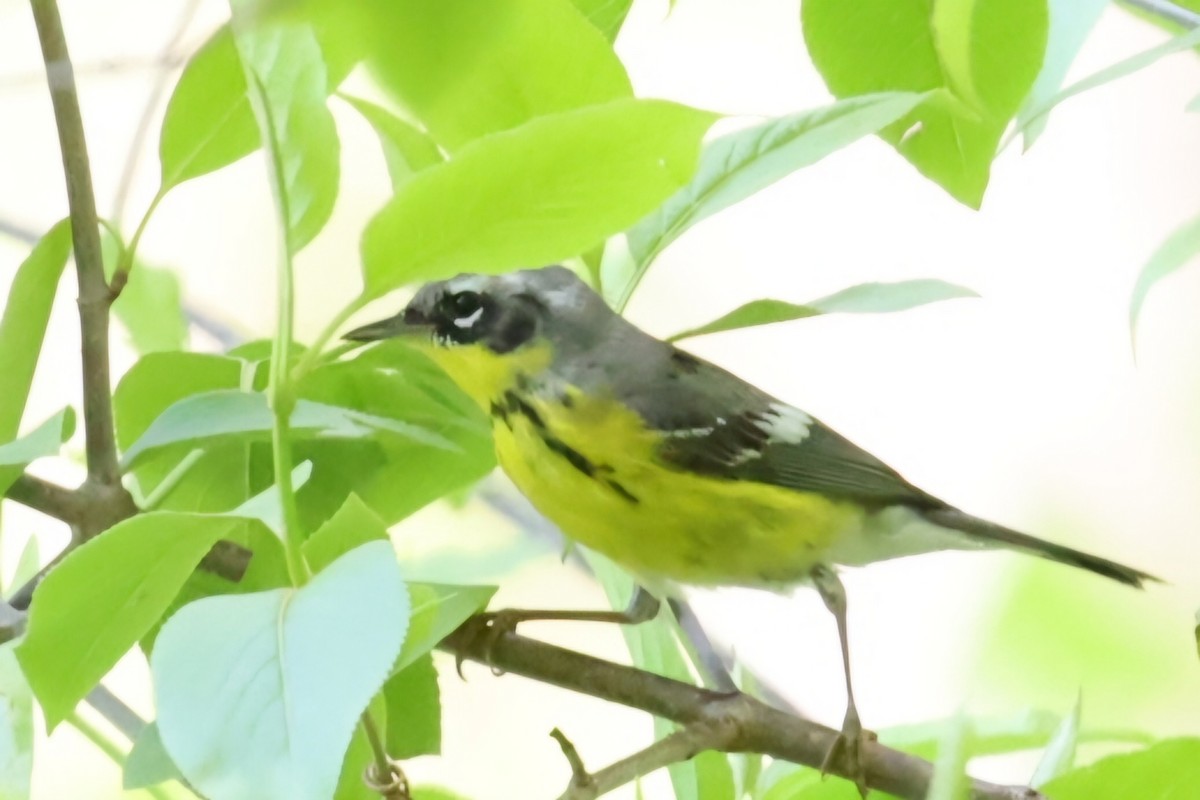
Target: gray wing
716, 424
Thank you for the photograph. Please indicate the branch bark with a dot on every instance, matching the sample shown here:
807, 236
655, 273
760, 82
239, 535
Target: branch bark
737, 722
94, 296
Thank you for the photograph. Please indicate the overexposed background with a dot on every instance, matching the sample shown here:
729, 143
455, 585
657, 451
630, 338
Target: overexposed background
1025, 406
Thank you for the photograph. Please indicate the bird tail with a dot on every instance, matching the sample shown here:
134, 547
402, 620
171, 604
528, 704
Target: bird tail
1006, 537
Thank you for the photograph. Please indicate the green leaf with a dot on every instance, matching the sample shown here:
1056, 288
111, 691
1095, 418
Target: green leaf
289, 77
16, 728
865, 298
1060, 751
353, 525
148, 763
414, 711
393, 476
1121, 69
244, 416
1168, 770
406, 149
1194, 105
808, 784
208, 123
1176, 252
437, 610
103, 597
267, 505
949, 781
257, 694
44, 440
23, 326
536, 194
469, 69
740, 164
983, 54
220, 479
358, 756
606, 15
1070, 23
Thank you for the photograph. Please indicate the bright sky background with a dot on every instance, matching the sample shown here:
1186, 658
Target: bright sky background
1025, 406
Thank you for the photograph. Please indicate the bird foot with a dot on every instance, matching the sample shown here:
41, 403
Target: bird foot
484, 630
845, 754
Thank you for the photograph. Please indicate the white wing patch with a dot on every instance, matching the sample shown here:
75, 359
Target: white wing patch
783, 423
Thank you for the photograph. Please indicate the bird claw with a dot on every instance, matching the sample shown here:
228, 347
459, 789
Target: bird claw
484, 630
846, 752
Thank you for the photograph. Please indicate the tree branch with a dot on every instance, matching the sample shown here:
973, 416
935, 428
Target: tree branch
1166, 10
49, 498
94, 298
741, 723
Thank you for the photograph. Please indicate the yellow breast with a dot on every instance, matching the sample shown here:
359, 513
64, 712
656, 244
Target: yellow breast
588, 464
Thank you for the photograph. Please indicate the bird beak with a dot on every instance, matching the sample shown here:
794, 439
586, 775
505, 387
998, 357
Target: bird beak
410, 322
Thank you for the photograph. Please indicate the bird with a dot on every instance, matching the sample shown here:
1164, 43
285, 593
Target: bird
673, 467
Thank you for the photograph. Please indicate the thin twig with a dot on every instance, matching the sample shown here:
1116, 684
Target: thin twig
164, 65
1168, 11
680, 746
758, 728
93, 290
384, 774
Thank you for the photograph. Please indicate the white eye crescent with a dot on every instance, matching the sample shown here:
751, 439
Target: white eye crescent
469, 320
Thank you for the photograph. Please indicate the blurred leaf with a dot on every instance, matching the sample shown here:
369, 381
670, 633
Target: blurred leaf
359, 755
435, 793
1121, 69
536, 194
291, 83
1176, 252
28, 564
983, 54
353, 525
949, 781
990, 736
1070, 23
23, 325
257, 698
44, 440
406, 149
244, 416
865, 298
150, 306
16, 728
714, 776
104, 596
740, 164
151, 309
1168, 770
606, 15
808, 784
469, 69
437, 610
208, 123
1194, 105
414, 710
1060, 751
148, 763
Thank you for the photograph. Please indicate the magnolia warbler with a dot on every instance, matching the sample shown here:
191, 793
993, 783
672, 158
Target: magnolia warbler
669, 465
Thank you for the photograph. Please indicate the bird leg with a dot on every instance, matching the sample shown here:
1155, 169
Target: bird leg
848, 746
491, 625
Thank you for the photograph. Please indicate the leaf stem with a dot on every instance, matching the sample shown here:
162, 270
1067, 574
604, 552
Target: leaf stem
94, 296
311, 356
125, 264
384, 776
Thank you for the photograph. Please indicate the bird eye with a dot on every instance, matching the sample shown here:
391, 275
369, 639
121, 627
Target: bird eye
465, 304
